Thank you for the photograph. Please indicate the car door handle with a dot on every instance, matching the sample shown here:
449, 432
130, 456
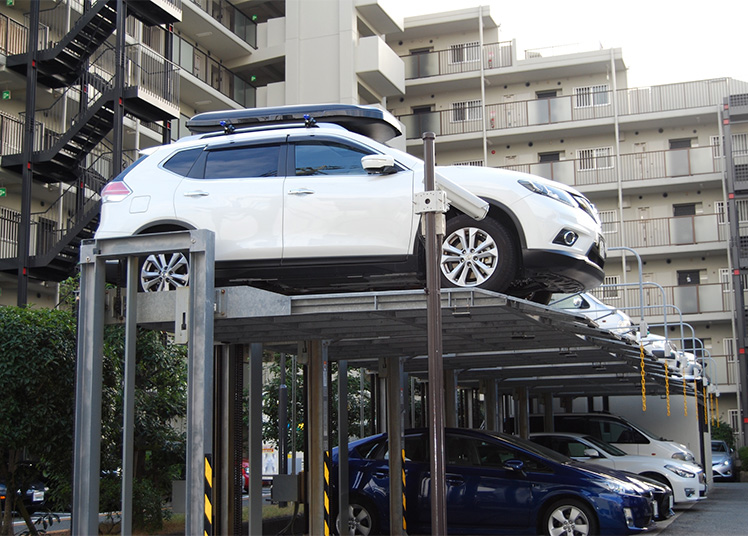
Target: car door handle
301, 191
381, 474
196, 193
455, 480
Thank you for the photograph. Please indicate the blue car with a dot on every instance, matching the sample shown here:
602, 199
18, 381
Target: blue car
495, 484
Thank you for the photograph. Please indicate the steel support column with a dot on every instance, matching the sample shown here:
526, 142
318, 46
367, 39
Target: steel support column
128, 426
395, 437
316, 422
343, 501
87, 451
450, 398
255, 438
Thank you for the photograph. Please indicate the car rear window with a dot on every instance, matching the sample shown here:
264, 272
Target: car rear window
182, 162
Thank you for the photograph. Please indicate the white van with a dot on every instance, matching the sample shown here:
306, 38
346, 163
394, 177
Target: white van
625, 435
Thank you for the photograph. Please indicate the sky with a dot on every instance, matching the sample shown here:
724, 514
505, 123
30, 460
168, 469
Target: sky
663, 41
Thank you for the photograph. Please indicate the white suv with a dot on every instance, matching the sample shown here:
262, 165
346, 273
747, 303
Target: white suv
294, 209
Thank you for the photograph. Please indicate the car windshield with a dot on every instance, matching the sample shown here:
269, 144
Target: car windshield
534, 448
604, 447
718, 446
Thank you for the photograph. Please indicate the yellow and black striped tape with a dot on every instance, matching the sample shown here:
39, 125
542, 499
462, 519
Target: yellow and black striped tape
328, 520
208, 528
405, 524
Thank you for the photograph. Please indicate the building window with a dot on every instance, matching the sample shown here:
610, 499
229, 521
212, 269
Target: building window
547, 94
725, 279
683, 143
464, 52
609, 219
733, 416
592, 96
687, 209
554, 156
689, 277
597, 158
467, 111
611, 291
477, 163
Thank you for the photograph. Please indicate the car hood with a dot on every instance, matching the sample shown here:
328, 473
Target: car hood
719, 457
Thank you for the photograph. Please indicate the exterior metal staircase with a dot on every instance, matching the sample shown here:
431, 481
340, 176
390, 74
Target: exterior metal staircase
70, 143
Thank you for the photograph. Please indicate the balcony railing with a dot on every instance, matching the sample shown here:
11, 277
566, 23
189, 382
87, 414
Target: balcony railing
633, 166
202, 66
689, 299
665, 232
459, 59
14, 36
582, 106
230, 18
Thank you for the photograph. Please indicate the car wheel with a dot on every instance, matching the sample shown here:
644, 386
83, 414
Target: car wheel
478, 254
569, 517
362, 519
164, 271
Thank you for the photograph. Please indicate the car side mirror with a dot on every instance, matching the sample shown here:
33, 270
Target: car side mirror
379, 163
591, 453
514, 465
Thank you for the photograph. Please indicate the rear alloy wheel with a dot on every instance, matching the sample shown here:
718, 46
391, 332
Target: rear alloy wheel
570, 518
478, 254
361, 520
164, 271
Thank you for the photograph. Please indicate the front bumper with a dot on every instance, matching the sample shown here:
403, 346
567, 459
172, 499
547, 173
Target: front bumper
559, 271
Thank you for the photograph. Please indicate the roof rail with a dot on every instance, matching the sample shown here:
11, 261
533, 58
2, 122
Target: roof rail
369, 121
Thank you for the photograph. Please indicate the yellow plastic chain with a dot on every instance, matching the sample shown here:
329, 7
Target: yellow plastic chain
667, 389
706, 408
685, 400
696, 397
716, 418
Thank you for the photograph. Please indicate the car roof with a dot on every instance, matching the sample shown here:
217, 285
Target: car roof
369, 121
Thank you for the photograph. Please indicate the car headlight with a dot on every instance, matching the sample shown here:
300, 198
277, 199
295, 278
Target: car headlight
680, 472
549, 191
619, 486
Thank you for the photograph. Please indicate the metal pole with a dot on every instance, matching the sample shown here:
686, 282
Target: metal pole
128, 432
27, 175
395, 438
89, 375
343, 501
282, 422
435, 361
255, 438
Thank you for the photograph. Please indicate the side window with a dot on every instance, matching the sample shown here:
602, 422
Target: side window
622, 433
328, 158
182, 162
243, 162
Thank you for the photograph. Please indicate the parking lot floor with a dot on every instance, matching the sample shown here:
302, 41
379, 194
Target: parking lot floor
723, 513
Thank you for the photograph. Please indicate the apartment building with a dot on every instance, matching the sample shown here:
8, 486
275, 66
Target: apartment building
651, 158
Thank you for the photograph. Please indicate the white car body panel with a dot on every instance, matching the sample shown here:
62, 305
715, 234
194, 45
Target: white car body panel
644, 465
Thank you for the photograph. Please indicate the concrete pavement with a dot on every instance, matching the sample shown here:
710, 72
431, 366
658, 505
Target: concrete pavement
723, 513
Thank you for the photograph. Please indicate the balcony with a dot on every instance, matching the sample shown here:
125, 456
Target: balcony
198, 69
588, 107
702, 230
641, 166
239, 37
459, 59
379, 67
713, 299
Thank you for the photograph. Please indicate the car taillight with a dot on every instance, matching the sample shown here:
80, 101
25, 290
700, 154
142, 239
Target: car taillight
115, 191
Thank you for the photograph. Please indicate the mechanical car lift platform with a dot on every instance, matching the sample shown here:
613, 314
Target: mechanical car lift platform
508, 344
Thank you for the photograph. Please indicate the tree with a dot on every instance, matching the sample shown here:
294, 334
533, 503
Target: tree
37, 373
270, 399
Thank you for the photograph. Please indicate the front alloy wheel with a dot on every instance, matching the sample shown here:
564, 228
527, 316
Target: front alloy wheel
478, 254
165, 271
570, 518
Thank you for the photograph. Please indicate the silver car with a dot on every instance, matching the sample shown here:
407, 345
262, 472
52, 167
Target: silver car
723, 461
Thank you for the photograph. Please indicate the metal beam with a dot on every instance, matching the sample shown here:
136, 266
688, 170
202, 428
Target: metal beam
395, 438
